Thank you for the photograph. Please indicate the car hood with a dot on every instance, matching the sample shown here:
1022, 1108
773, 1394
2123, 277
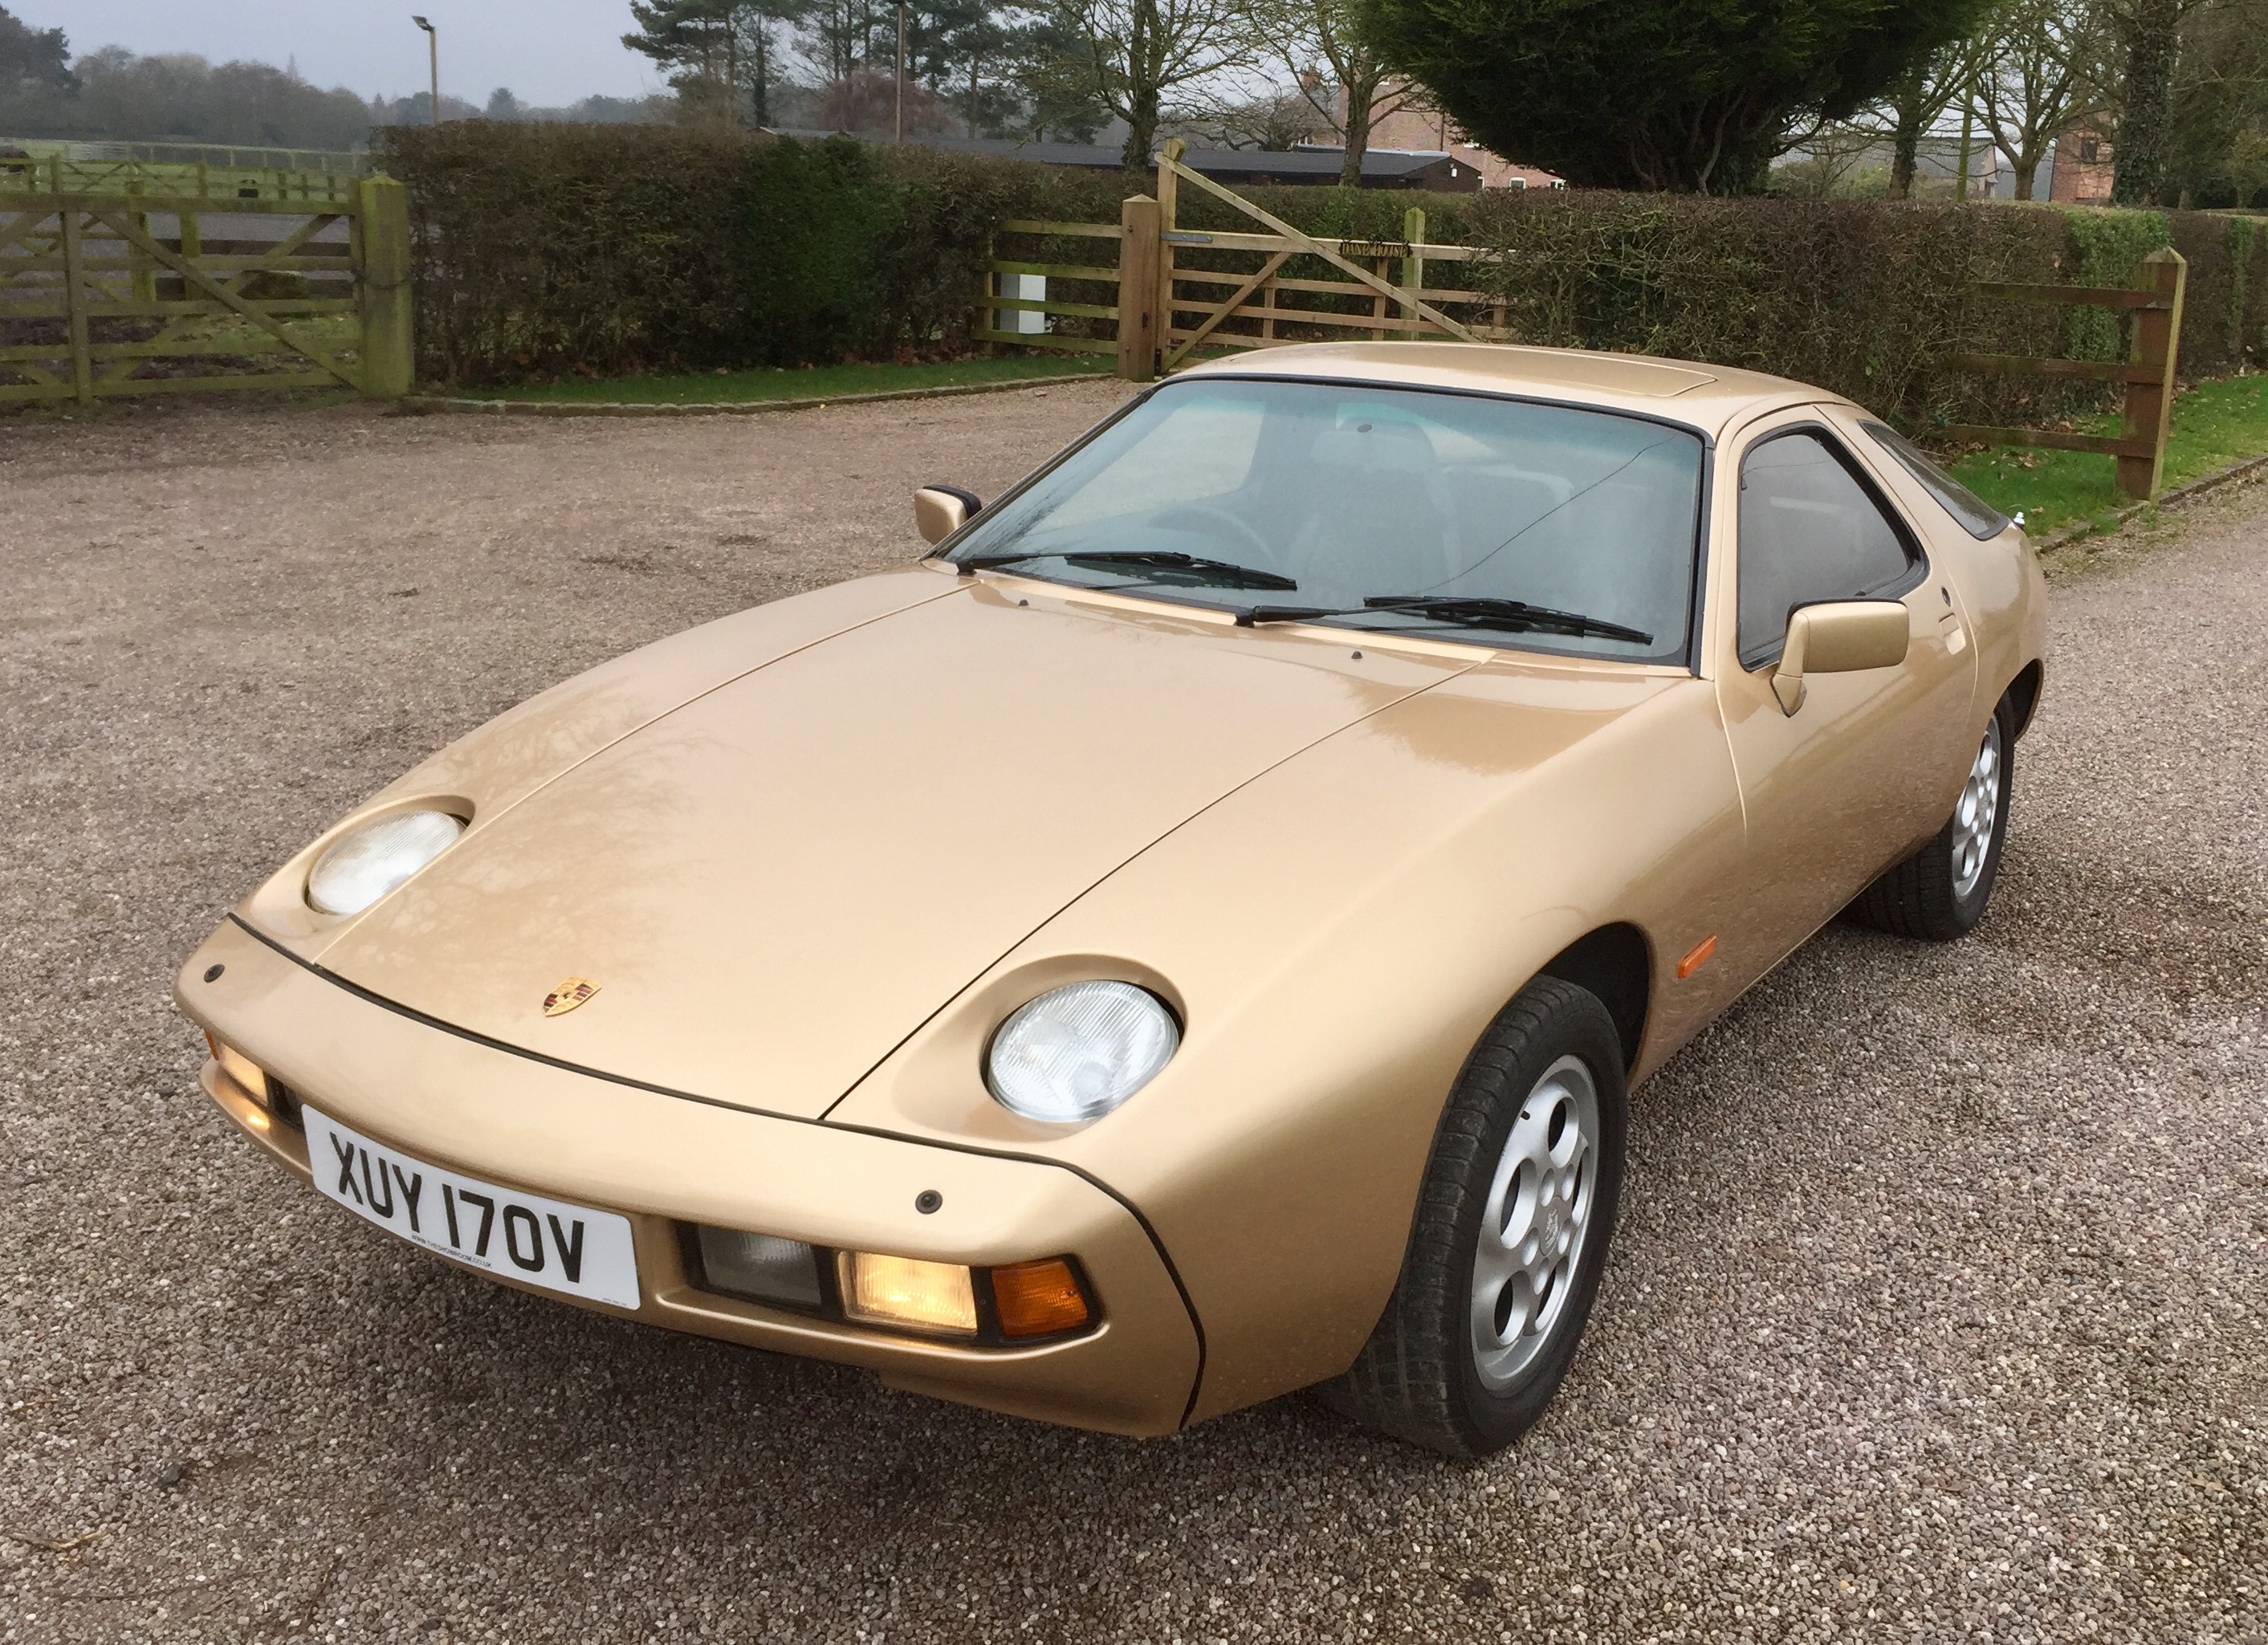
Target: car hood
775, 882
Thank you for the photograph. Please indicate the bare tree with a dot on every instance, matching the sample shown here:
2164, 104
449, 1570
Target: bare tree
1335, 69
1825, 156
1140, 53
1274, 119
868, 100
2038, 71
1914, 105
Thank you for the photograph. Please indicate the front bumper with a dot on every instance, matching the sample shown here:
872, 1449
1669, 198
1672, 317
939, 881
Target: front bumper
663, 1160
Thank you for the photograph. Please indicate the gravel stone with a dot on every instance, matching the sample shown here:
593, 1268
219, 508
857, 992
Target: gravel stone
1935, 1314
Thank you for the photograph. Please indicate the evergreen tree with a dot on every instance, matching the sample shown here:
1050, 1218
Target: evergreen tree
721, 55
34, 58
2149, 34
1691, 95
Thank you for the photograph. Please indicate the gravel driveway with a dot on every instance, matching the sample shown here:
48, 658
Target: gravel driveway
1937, 1314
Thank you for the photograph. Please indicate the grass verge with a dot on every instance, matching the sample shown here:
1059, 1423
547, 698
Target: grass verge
2215, 423
802, 383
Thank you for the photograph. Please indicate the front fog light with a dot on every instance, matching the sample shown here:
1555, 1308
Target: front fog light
365, 864
1078, 1051
761, 1267
248, 1073
904, 1291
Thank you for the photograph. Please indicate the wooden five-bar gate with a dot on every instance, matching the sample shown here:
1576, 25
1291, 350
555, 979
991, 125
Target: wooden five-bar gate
1173, 291
154, 279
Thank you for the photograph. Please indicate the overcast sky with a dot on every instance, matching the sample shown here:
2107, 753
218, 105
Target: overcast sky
549, 51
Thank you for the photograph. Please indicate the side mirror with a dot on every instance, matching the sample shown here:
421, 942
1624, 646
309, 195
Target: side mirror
1841, 637
941, 510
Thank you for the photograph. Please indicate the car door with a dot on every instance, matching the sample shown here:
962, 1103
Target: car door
1869, 765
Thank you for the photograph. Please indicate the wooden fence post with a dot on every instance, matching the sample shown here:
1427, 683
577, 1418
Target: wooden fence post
143, 278
74, 295
389, 346
1413, 266
1169, 205
1140, 243
988, 317
2157, 339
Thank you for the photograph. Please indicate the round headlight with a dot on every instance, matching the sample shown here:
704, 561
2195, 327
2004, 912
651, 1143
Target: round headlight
1076, 1052
366, 865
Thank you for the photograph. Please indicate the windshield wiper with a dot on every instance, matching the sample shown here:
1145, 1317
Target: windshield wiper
1486, 611
1141, 559
1468, 611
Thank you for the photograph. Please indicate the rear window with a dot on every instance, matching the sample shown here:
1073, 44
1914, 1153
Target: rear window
1978, 518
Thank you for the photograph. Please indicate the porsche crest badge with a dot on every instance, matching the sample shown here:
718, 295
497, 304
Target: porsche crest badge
568, 995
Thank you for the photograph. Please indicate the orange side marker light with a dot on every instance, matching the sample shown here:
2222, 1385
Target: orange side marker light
1699, 958
1038, 1299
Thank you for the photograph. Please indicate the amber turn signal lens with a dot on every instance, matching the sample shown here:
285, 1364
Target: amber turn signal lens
1038, 1299
904, 1291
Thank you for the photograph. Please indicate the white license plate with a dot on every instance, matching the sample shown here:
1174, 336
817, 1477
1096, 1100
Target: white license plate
514, 1235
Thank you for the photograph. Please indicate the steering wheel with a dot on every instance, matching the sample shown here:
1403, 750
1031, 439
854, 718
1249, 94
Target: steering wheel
1208, 512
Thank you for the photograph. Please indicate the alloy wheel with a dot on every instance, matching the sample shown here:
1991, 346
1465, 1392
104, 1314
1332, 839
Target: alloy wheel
1533, 1223
1979, 809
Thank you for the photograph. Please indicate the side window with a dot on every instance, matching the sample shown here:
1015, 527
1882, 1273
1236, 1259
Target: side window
1808, 532
1979, 519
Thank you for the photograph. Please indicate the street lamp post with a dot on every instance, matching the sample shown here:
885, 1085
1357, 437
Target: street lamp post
899, 105
433, 59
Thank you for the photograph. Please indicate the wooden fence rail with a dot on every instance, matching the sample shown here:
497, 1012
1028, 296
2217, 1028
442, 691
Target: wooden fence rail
209, 180
115, 293
2155, 301
1095, 277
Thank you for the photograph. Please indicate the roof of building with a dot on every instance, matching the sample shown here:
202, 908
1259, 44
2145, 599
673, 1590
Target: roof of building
1309, 160
1093, 156
1380, 165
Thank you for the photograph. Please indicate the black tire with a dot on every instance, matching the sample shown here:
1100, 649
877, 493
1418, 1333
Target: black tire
1418, 1378
1922, 897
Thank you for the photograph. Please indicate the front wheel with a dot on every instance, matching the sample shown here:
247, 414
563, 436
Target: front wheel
1510, 1236
1939, 892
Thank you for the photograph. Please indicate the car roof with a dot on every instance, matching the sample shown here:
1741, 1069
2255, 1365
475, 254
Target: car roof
1708, 397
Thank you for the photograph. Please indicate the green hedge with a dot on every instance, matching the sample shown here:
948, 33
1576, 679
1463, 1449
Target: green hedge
544, 249
1866, 298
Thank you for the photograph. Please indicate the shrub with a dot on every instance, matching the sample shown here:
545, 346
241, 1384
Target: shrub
811, 230
544, 247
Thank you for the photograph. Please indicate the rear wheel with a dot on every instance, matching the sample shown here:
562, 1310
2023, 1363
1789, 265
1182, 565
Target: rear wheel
1510, 1236
1939, 892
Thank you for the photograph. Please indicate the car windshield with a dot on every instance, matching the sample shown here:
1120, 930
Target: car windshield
1299, 498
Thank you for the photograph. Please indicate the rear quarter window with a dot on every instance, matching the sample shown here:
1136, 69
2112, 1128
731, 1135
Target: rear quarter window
1976, 516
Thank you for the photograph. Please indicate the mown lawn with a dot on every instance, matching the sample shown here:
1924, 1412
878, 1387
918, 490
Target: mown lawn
2215, 423
823, 382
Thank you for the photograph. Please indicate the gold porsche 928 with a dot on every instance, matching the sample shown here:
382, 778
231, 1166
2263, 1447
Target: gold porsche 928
1193, 935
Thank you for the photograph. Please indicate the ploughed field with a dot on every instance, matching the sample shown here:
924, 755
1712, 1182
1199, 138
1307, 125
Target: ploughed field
1937, 1310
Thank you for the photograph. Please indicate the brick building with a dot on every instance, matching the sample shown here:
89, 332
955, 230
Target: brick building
2082, 169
